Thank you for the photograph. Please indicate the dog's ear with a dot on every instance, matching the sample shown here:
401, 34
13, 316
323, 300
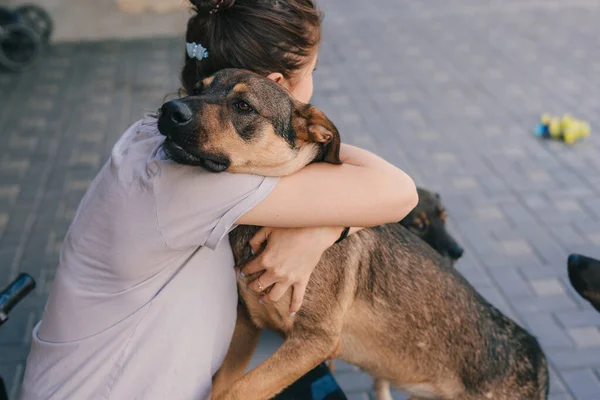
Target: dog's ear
321, 130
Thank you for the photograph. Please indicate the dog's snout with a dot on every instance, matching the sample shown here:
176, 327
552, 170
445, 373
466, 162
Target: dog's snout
456, 252
177, 113
573, 259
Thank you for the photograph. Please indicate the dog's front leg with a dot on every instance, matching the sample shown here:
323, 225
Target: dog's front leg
295, 357
243, 343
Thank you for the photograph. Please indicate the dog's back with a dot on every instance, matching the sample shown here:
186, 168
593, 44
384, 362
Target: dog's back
410, 318
436, 325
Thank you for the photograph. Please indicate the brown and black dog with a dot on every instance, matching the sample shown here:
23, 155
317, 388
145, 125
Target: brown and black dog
428, 221
584, 274
382, 299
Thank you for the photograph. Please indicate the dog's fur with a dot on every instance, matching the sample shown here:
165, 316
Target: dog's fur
428, 221
381, 299
584, 274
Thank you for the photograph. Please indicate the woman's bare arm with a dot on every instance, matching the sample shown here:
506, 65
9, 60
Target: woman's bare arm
365, 191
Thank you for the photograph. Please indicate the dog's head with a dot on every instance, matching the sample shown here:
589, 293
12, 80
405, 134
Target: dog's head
240, 122
584, 274
428, 221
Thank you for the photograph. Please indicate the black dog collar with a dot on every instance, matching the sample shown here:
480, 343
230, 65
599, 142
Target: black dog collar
344, 235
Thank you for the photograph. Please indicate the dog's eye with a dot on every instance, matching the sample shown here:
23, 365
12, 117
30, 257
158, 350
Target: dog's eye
419, 226
197, 89
243, 106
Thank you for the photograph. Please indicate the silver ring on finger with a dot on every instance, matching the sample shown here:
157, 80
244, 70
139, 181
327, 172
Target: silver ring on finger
260, 287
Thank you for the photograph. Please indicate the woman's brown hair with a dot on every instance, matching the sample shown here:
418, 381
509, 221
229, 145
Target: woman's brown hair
263, 36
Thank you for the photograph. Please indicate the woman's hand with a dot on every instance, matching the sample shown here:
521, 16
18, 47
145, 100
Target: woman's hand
288, 259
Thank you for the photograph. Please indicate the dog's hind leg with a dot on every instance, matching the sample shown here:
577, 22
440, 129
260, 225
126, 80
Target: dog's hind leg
382, 389
331, 366
295, 357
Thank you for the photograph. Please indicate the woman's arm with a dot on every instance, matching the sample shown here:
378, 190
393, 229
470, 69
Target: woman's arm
322, 198
365, 191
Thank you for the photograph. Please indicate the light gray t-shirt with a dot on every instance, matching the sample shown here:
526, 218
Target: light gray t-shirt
144, 301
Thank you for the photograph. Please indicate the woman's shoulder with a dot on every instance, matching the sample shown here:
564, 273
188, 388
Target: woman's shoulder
136, 150
141, 131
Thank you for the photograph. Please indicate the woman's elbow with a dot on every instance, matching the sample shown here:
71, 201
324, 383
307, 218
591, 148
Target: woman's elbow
405, 198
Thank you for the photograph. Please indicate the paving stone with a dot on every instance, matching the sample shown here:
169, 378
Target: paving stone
547, 287
540, 304
354, 381
488, 213
557, 385
575, 358
357, 396
398, 395
567, 206
578, 318
511, 282
583, 384
550, 334
515, 247
586, 336
595, 238
560, 396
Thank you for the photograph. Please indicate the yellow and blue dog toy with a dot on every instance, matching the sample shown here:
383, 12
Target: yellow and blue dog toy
567, 129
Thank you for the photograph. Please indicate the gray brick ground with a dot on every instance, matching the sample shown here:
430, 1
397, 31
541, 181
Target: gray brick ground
449, 91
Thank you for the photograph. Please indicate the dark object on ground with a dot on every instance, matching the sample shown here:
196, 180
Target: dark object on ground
23, 33
9, 298
584, 274
318, 384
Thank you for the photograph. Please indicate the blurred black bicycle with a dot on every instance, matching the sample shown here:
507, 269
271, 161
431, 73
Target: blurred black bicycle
23, 32
9, 298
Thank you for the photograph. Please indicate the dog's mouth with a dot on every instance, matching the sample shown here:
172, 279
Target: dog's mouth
181, 155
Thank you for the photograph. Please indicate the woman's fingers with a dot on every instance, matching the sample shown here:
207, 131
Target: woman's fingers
298, 291
255, 265
259, 238
261, 284
258, 263
279, 290
276, 292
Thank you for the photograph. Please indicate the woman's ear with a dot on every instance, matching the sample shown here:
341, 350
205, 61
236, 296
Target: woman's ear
275, 77
278, 78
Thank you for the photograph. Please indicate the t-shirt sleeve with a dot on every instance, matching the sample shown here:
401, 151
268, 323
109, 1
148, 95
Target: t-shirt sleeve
195, 207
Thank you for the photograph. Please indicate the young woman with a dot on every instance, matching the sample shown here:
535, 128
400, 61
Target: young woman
144, 301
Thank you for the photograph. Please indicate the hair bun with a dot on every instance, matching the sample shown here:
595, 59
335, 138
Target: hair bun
212, 6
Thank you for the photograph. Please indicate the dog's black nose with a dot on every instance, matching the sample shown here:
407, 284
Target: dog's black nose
573, 259
177, 113
456, 252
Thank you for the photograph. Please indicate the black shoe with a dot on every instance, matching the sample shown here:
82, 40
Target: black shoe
318, 384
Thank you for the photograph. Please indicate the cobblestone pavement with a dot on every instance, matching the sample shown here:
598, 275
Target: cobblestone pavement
449, 91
